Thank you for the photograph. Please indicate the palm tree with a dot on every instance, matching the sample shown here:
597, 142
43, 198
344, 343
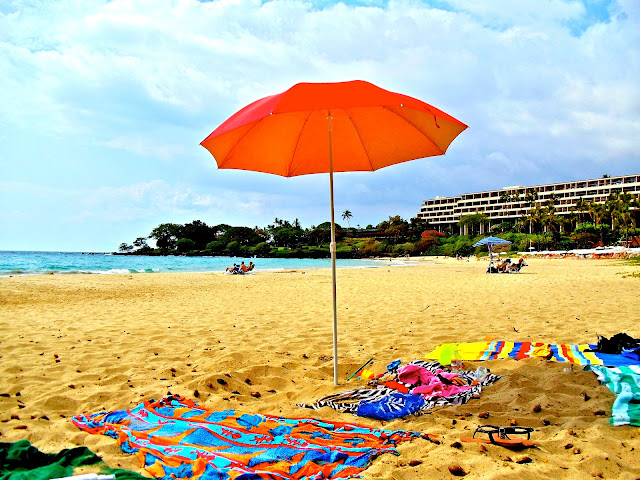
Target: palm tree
551, 221
573, 218
536, 215
531, 197
581, 207
594, 211
473, 220
635, 204
611, 207
622, 211
346, 215
597, 212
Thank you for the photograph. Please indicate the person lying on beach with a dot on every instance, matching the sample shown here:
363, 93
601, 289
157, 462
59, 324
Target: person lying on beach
503, 266
233, 269
240, 269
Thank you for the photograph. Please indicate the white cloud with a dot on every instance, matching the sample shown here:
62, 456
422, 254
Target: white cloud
145, 147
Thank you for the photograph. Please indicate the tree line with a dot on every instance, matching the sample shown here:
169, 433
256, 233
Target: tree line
588, 224
280, 238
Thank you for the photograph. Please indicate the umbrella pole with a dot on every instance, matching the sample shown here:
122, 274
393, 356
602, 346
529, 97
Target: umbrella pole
332, 248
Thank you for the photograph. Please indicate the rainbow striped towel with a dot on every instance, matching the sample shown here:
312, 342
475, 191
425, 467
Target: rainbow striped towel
496, 349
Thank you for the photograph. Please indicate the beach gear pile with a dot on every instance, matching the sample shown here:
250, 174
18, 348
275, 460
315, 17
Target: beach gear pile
408, 390
175, 438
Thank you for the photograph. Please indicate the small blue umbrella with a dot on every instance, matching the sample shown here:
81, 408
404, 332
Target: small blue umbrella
489, 241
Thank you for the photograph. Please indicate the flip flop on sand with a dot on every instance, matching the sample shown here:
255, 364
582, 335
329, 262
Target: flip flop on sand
500, 436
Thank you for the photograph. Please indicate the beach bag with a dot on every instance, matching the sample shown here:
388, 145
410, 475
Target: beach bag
616, 344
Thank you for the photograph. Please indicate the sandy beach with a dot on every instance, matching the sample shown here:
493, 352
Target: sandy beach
86, 343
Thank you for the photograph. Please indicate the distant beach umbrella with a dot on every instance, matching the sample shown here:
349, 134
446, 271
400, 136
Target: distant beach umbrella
491, 241
327, 128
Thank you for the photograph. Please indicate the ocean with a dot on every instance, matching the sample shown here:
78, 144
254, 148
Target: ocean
13, 263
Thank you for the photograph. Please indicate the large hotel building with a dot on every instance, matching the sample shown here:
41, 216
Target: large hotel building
443, 212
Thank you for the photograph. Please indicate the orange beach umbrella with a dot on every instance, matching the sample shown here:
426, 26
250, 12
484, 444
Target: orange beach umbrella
327, 128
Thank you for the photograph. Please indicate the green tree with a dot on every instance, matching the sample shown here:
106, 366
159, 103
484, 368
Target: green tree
217, 246
619, 206
322, 233
166, 235
551, 221
536, 215
395, 227
581, 206
243, 235
473, 222
233, 248
503, 227
289, 237
199, 232
346, 215
184, 245
597, 212
125, 247
141, 242
262, 249
416, 227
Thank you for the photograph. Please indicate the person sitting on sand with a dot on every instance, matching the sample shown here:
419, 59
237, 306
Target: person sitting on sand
233, 269
243, 267
251, 266
502, 267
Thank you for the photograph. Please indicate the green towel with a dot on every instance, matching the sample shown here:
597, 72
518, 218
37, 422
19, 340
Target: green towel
624, 382
22, 461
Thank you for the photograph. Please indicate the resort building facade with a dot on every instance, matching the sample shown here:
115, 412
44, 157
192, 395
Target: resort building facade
509, 204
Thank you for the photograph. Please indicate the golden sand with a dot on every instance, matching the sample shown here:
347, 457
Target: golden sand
85, 343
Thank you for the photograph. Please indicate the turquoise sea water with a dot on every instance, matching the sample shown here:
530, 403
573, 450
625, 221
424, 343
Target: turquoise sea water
34, 263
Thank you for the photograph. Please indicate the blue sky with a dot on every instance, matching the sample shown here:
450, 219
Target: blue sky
104, 104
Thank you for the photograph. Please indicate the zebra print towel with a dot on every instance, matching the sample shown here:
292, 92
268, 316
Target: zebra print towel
385, 403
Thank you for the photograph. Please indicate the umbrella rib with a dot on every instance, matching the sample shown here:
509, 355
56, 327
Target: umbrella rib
414, 126
239, 140
360, 138
295, 149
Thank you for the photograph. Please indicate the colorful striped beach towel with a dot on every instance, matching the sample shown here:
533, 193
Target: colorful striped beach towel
497, 349
175, 438
624, 382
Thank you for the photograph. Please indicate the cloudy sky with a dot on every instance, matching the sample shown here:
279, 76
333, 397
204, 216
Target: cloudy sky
104, 104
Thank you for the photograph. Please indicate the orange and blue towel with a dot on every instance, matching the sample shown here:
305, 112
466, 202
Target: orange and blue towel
175, 438
497, 349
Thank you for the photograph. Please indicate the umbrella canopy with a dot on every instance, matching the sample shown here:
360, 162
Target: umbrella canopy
491, 241
327, 128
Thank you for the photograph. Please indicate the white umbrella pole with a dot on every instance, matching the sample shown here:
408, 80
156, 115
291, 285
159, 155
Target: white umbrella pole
332, 248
